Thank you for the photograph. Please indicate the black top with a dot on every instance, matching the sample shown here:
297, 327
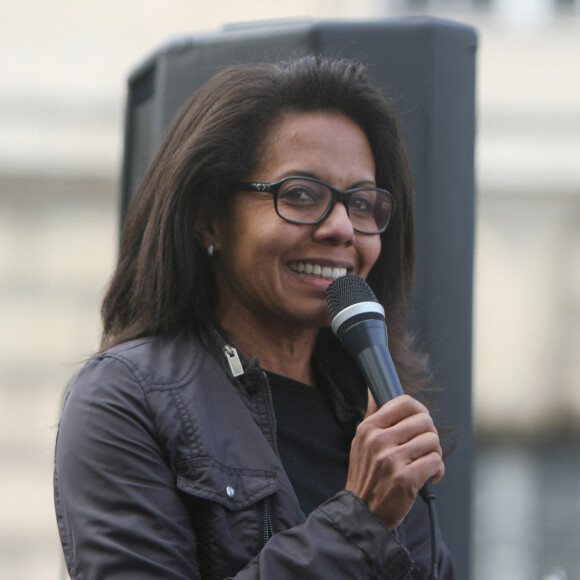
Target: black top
313, 445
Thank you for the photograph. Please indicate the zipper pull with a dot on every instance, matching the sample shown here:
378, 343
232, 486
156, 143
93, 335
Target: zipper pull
233, 360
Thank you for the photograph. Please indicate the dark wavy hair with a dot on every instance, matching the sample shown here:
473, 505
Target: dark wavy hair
163, 281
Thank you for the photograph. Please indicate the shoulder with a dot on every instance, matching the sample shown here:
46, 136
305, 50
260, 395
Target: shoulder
138, 389
156, 362
128, 374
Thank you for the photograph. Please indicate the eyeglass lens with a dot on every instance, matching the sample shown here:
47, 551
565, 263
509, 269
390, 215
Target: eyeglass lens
306, 202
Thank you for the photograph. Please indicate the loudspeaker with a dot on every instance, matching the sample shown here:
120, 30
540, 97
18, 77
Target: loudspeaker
428, 66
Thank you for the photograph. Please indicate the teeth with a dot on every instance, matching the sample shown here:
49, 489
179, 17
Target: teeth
317, 270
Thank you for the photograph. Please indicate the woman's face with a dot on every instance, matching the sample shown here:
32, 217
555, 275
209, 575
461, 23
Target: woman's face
261, 261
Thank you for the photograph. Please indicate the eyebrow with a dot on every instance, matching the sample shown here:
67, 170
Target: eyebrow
361, 183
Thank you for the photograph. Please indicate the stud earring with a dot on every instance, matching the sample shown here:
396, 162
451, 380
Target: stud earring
210, 250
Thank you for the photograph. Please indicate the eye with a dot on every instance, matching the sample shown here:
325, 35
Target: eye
298, 193
363, 202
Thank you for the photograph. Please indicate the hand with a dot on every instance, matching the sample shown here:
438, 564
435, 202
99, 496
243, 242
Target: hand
395, 450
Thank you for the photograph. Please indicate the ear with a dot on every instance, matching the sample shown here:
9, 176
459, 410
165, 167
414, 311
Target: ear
208, 231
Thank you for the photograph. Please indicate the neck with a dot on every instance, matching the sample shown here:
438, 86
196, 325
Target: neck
284, 351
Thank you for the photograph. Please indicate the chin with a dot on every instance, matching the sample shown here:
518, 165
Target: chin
316, 319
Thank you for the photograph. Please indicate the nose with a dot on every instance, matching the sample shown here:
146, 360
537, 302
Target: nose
336, 226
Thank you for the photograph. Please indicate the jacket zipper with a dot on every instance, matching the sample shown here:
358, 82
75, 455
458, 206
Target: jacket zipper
267, 525
271, 409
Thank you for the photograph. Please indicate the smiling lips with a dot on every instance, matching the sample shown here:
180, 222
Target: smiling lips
308, 269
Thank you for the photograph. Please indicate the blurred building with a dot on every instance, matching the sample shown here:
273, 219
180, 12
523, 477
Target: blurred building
62, 92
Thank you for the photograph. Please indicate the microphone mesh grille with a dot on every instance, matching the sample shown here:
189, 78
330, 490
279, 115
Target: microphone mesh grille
347, 291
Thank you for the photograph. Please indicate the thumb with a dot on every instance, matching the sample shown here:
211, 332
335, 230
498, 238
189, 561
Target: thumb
372, 406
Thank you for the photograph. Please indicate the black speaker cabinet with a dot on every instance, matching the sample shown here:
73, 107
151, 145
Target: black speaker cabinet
428, 66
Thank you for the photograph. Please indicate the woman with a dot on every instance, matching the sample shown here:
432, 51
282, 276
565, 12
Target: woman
221, 431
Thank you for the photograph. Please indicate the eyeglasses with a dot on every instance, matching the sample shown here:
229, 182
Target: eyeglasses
308, 201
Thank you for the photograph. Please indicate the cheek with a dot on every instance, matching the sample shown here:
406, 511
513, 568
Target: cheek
258, 248
370, 253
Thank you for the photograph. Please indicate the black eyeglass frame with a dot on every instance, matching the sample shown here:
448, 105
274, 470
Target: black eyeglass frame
337, 195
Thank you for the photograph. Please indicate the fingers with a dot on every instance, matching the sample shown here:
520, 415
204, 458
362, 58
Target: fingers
395, 410
423, 458
412, 444
407, 429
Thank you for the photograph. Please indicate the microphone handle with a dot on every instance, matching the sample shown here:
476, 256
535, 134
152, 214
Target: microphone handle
379, 371
367, 343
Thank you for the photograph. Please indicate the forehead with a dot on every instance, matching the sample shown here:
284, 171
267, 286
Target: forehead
322, 144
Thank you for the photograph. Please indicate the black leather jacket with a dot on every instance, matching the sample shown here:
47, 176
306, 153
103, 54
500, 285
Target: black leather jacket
166, 468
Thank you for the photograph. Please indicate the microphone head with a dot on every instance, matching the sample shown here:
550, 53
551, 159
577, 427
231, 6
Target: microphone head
351, 300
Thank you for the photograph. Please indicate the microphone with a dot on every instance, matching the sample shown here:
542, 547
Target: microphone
358, 320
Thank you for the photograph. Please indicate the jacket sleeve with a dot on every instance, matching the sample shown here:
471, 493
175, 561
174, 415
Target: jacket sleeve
120, 514
118, 511
341, 539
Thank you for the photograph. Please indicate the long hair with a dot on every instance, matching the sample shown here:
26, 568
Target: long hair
163, 281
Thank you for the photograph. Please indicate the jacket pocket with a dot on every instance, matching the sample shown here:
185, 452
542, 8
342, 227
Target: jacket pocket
233, 488
227, 513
